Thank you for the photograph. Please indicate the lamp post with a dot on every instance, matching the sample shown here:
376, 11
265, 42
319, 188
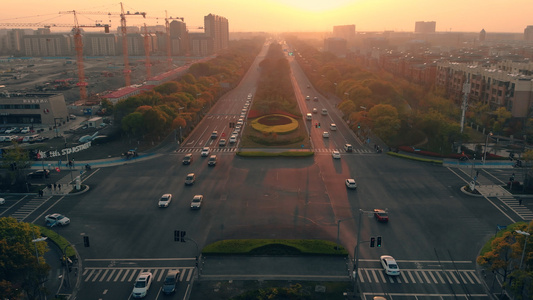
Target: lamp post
338, 229
486, 142
525, 243
356, 250
41, 239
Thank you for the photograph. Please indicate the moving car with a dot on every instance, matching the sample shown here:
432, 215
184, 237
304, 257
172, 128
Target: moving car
190, 179
309, 116
307, 97
336, 154
205, 151
324, 111
222, 142
56, 219
196, 202
381, 215
214, 134
212, 160
39, 174
233, 139
332, 127
2, 201
315, 110
165, 200
325, 134
348, 147
171, 281
350, 183
315, 99
142, 285
389, 265
187, 160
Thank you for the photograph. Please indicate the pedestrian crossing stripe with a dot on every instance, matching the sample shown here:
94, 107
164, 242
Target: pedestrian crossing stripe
235, 149
416, 276
514, 204
131, 274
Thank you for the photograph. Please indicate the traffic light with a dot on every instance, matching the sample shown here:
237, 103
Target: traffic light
358, 125
379, 241
372, 241
318, 125
197, 261
86, 241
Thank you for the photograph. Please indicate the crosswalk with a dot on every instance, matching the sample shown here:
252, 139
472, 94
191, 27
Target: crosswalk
131, 274
514, 203
420, 276
235, 149
29, 207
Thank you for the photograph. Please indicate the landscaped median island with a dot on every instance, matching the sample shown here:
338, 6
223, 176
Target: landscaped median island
274, 247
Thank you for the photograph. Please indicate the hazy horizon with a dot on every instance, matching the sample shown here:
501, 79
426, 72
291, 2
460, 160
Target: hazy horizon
288, 15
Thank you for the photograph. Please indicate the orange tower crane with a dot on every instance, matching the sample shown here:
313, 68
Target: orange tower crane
78, 45
123, 30
147, 52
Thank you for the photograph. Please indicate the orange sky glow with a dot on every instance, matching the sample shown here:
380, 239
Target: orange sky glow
289, 15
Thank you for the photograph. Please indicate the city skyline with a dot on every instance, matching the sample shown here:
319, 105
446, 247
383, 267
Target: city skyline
291, 16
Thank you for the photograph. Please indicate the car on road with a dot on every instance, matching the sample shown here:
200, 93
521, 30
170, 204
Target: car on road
332, 127
336, 154
212, 160
214, 134
308, 86
165, 200
142, 285
196, 202
381, 215
350, 183
56, 220
233, 139
307, 97
205, 151
348, 147
190, 179
171, 282
38, 174
315, 98
389, 265
324, 111
325, 134
2, 201
188, 159
222, 142
315, 110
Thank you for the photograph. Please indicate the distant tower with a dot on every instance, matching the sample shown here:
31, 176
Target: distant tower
528, 33
482, 35
425, 27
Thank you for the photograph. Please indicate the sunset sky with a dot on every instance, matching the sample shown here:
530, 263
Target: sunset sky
290, 15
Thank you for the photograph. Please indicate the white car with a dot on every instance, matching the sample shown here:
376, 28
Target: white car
389, 265
233, 139
165, 200
205, 151
56, 220
2, 201
25, 130
325, 134
142, 285
336, 154
196, 202
333, 127
350, 183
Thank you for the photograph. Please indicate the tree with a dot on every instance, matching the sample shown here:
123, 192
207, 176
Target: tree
21, 271
16, 160
385, 120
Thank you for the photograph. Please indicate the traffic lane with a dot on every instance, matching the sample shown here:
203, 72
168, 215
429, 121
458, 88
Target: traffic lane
273, 198
123, 290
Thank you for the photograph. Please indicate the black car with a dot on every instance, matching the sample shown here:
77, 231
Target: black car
39, 174
171, 281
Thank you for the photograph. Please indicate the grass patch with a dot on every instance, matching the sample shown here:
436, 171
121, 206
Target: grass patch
510, 228
433, 161
57, 239
252, 138
273, 247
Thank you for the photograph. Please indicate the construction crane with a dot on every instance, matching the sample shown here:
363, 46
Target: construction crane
123, 30
78, 45
147, 52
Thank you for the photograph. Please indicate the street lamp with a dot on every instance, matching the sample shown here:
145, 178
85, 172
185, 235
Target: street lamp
525, 243
338, 229
41, 239
356, 250
486, 142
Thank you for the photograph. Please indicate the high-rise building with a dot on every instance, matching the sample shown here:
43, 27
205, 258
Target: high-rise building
482, 35
100, 44
346, 32
179, 38
48, 45
528, 33
217, 28
425, 27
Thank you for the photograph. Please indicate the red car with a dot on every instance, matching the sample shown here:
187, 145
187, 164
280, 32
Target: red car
381, 215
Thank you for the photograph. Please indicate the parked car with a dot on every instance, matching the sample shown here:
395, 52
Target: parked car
381, 215
389, 265
142, 285
2, 201
165, 200
25, 130
39, 174
56, 220
196, 202
171, 282
190, 179
187, 160
205, 151
350, 183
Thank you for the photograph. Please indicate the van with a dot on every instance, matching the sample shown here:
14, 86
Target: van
309, 117
171, 281
324, 111
348, 148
